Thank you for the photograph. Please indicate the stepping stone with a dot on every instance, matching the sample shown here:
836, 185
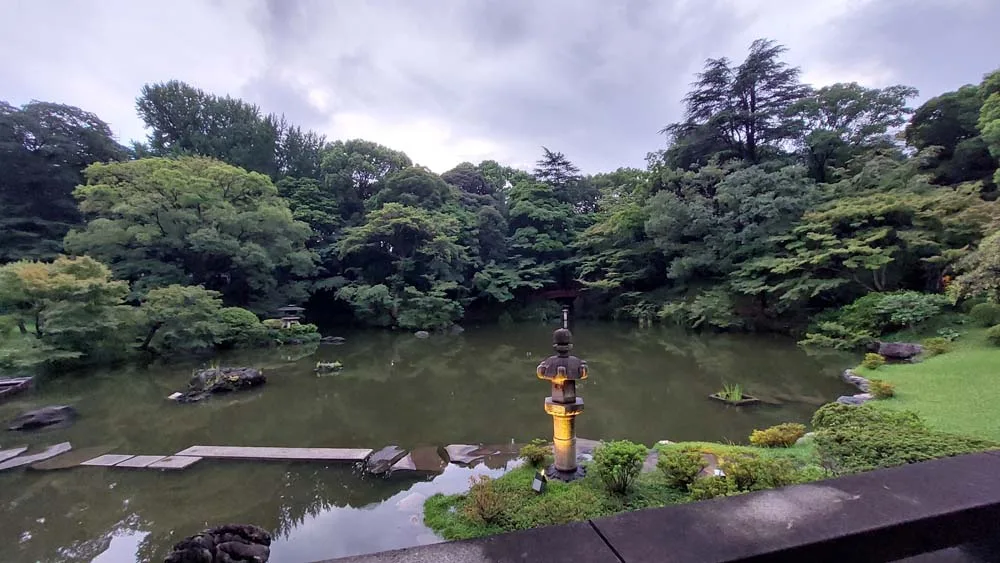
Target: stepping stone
586, 447
140, 461
107, 460
49, 452
13, 452
382, 461
279, 454
74, 458
174, 462
425, 459
463, 453
649, 465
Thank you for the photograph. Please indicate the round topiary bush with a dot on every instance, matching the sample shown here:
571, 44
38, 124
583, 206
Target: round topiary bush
618, 464
986, 314
881, 390
873, 361
936, 346
780, 436
681, 467
993, 335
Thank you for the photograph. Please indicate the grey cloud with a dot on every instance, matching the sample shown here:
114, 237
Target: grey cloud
595, 79
934, 45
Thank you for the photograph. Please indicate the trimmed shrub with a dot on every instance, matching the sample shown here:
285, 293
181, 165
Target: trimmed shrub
993, 335
710, 487
936, 346
484, 503
986, 314
535, 452
881, 390
780, 436
835, 416
240, 328
618, 464
863, 448
272, 323
873, 361
681, 467
753, 473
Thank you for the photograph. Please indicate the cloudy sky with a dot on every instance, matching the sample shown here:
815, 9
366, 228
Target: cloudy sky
454, 80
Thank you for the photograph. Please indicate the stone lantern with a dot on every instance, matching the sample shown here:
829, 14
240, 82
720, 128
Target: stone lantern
563, 371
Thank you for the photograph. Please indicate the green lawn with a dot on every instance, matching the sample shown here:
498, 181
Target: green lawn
957, 392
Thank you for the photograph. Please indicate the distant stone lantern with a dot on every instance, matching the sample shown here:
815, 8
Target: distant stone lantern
563, 371
290, 315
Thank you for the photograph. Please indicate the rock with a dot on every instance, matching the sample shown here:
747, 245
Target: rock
328, 367
425, 459
859, 399
856, 380
332, 340
45, 416
175, 395
464, 453
455, 330
806, 438
220, 380
898, 350
232, 543
422, 334
382, 461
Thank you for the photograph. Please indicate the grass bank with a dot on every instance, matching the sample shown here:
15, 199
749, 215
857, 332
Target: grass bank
510, 504
956, 392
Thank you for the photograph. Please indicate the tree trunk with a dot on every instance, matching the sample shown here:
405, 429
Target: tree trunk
38, 326
21, 327
149, 337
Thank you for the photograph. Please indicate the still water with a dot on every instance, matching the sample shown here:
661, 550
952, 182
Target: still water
478, 387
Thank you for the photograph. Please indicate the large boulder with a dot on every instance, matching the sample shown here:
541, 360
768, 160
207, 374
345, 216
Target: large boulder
45, 416
332, 340
898, 350
232, 543
220, 380
859, 399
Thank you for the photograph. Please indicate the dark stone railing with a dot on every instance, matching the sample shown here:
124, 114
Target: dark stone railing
941, 510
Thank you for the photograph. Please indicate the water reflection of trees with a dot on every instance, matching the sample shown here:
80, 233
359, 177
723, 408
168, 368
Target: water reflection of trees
477, 387
72, 515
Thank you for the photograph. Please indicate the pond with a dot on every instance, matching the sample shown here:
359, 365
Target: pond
478, 387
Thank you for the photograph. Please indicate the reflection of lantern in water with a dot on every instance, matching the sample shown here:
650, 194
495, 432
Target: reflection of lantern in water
563, 371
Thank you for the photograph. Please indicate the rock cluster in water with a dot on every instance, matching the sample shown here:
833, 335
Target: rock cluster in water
231, 543
45, 416
219, 380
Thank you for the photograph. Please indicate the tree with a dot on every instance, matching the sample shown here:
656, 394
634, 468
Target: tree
555, 170
353, 171
706, 231
403, 267
71, 308
949, 121
469, 179
194, 220
178, 317
989, 116
744, 109
886, 237
44, 148
184, 120
415, 186
542, 229
980, 271
845, 119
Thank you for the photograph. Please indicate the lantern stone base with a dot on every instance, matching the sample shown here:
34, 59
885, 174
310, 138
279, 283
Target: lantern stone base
552, 473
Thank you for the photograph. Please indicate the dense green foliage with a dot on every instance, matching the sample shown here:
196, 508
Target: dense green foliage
779, 436
772, 204
618, 463
681, 467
